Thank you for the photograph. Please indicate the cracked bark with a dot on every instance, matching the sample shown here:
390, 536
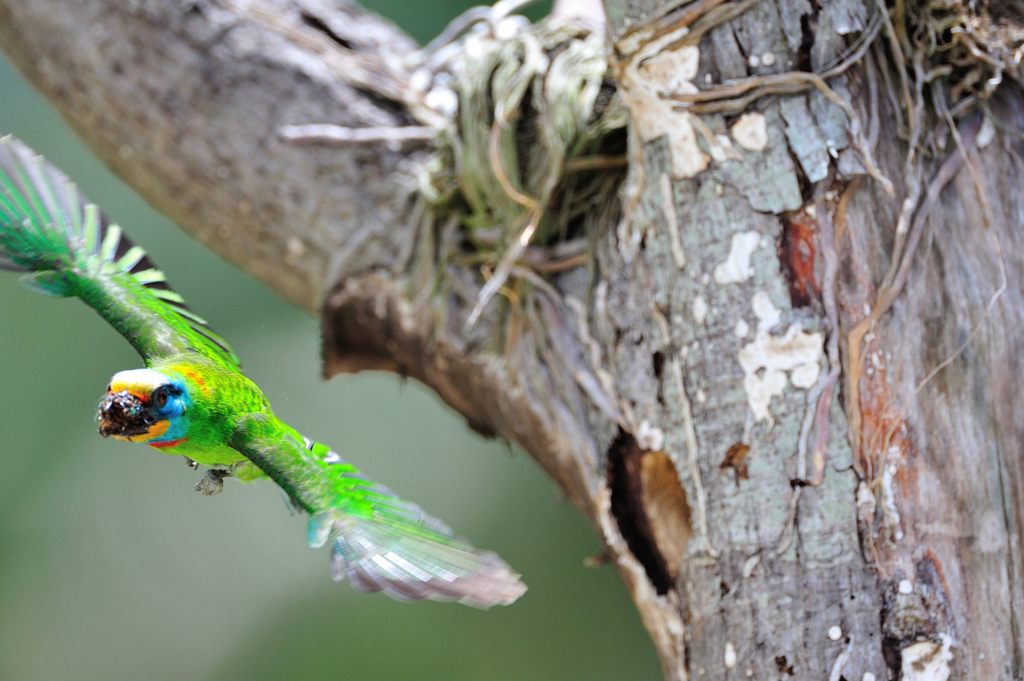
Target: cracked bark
747, 556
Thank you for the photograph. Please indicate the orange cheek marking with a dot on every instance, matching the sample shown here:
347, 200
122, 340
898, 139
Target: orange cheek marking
159, 428
155, 431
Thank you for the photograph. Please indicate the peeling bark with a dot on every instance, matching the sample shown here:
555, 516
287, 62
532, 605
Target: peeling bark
786, 490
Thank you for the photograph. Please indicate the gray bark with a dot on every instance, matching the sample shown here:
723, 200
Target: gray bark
787, 490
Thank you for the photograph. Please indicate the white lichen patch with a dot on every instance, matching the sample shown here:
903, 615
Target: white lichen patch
730, 655
905, 586
650, 438
674, 70
890, 512
751, 132
649, 76
927, 660
736, 267
768, 316
760, 391
700, 310
766, 360
805, 376
721, 149
742, 329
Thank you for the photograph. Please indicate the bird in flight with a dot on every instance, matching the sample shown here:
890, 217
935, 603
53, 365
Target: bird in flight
192, 399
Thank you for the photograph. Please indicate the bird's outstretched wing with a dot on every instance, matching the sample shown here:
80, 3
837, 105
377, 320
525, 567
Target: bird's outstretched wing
379, 542
68, 248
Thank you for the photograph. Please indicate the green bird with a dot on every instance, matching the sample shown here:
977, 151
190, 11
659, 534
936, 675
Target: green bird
192, 399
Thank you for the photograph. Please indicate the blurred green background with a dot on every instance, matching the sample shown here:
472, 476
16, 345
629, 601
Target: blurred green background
112, 567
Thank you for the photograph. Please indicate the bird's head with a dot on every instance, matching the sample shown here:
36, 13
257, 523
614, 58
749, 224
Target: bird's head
143, 405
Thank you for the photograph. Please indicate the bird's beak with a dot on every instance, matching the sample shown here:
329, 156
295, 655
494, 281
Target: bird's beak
122, 415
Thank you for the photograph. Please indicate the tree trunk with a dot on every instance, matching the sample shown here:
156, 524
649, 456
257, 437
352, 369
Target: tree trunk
763, 339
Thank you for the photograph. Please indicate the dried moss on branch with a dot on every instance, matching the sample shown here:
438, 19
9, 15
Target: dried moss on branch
533, 157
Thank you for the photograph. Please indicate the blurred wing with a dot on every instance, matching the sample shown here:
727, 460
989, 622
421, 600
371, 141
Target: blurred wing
67, 248
379, 542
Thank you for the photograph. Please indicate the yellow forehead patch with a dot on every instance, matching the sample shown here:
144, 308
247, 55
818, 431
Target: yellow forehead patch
139, 382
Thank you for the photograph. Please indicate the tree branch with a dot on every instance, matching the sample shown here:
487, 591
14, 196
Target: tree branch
186, 101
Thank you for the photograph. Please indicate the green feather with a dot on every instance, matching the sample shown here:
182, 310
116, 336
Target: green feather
150, 276
130, 259
47, 283
47, 226
110, 242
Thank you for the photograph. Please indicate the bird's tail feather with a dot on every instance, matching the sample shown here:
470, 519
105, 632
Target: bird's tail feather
398, 549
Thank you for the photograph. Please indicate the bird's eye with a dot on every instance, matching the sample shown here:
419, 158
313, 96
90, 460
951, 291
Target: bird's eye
160, 397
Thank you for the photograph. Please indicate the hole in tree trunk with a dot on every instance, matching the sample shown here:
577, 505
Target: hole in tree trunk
650, 507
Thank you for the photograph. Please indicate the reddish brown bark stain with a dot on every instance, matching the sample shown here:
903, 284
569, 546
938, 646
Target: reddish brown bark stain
930, 569
797, 254
885, 434
736, 459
